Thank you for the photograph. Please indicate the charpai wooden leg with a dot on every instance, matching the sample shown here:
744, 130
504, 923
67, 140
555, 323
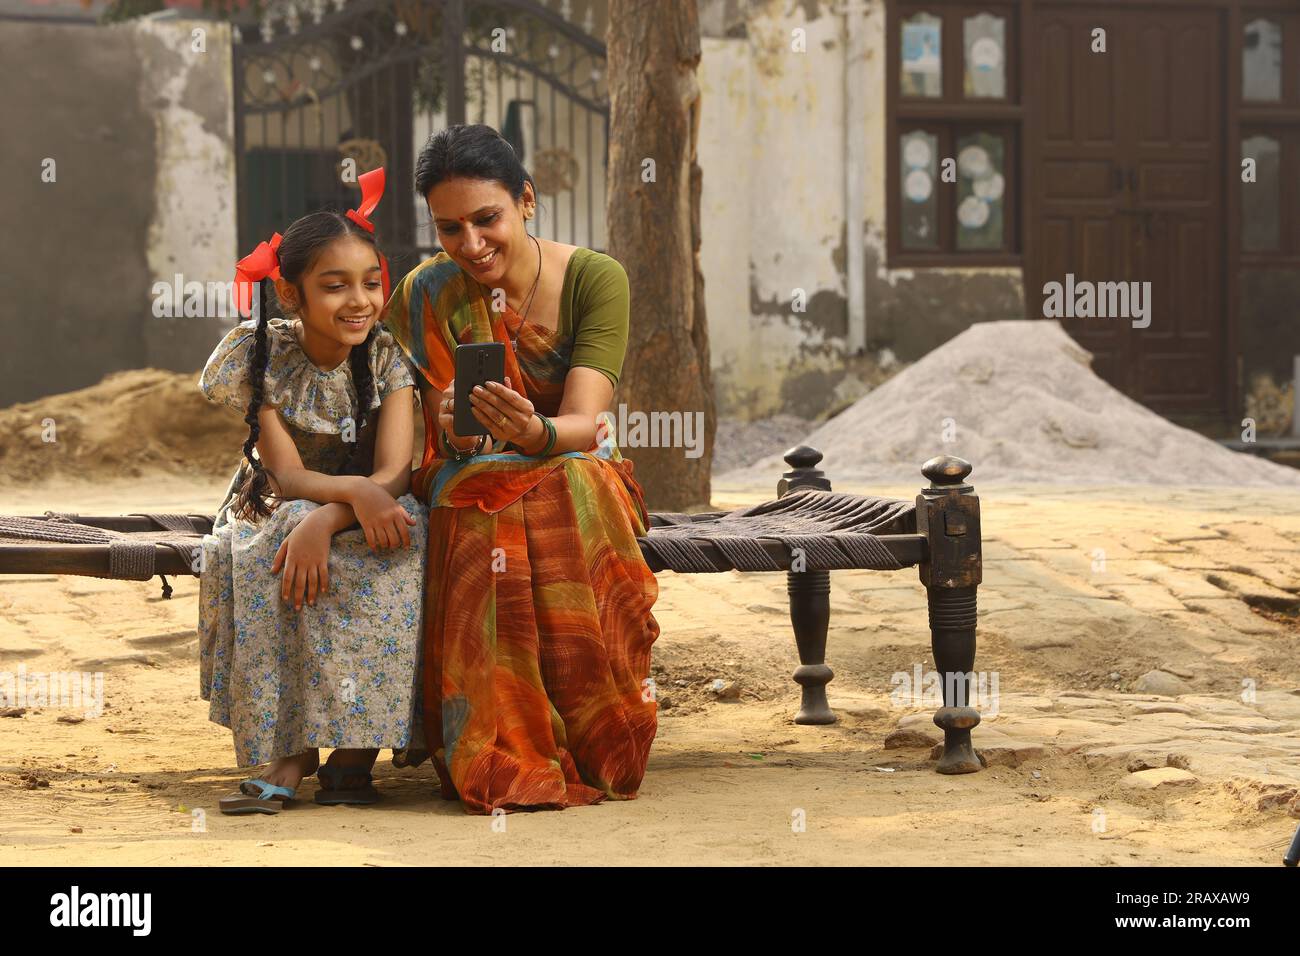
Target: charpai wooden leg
810, 601
810, 613
952, 640
948, 515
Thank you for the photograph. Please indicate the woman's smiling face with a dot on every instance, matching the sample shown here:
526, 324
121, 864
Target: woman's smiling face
344, 289
479, 225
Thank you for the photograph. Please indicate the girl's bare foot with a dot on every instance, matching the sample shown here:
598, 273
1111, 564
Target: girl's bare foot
289, 771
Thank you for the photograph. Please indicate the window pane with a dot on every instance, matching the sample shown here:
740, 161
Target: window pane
980, 189
920, 204
984, 40
1261, 229
921, 60
1261, 62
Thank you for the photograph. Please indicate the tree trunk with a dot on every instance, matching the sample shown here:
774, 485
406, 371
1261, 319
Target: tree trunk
653, 50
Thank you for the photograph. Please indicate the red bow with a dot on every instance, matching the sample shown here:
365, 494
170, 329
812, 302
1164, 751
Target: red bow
261, 263
372, 190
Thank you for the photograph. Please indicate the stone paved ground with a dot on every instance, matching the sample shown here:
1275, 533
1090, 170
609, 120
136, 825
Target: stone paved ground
1144, 643
1133, 627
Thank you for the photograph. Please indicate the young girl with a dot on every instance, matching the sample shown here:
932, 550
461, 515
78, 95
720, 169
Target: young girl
309, 633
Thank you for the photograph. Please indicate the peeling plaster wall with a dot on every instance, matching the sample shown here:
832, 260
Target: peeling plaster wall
140, 128
194, 225
773, 152
726, 206
771, 142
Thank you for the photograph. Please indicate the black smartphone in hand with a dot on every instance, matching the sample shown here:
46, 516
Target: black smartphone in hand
477, 363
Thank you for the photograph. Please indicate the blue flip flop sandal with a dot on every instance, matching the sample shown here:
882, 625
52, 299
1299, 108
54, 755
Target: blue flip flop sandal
256, 796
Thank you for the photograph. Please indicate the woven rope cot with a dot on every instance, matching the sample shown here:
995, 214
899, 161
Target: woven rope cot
808, 530
127, 547
833, 531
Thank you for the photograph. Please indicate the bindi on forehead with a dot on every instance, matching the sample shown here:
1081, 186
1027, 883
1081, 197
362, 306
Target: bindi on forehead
466, 219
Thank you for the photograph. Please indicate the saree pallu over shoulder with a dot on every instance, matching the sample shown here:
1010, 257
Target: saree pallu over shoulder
537, 622
434, 309
437, 307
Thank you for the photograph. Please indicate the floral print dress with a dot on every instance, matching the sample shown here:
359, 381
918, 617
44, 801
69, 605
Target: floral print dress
341, 672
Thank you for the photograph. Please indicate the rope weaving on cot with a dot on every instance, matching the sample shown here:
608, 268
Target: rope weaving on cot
835, 531
131, 555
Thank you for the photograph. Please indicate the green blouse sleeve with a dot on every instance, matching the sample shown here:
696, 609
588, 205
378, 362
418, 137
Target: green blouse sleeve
601, 302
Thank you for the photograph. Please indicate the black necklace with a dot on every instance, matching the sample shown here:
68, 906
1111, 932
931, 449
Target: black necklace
528, 300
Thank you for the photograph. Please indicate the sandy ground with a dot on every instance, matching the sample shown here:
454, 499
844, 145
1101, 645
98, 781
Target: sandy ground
1085, 591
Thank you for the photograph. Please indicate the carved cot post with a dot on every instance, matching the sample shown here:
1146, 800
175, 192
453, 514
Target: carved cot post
810, 601
948, 516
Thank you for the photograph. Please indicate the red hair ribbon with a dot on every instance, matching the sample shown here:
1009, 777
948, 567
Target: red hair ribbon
372, 190
261, 263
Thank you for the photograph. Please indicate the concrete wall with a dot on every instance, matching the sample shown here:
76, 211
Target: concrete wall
772, 217
777, 157
139, 127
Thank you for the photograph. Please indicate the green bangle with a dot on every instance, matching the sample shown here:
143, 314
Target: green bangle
550, 431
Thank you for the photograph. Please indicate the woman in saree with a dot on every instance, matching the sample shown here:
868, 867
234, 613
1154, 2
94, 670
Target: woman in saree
537, 608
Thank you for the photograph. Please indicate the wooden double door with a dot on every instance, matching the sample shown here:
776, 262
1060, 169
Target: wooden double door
1128, 148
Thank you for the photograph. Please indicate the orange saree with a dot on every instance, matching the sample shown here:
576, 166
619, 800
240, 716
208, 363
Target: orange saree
537, 609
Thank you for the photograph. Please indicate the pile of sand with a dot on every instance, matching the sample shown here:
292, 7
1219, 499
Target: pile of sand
1017, 399
1020, 401
133, 423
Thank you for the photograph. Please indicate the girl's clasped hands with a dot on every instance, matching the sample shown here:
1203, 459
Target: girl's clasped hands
304, 553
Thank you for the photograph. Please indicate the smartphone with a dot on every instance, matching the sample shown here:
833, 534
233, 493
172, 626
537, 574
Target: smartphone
477, 363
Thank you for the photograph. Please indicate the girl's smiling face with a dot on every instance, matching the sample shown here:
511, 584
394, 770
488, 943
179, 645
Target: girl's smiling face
344, 293
479, 225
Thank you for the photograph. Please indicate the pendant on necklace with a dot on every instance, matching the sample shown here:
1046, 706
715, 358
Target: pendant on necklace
514, 336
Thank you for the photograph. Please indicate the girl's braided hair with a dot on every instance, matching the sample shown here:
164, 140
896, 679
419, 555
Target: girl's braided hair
300, 246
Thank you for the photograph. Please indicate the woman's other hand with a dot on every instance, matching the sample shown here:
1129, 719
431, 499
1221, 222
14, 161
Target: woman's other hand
304, 554
447, 419
383, 520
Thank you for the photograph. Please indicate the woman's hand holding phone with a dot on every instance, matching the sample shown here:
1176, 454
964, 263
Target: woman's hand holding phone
502, 411
447, 418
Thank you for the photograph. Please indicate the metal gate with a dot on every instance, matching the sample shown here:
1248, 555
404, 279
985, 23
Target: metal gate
370, 80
